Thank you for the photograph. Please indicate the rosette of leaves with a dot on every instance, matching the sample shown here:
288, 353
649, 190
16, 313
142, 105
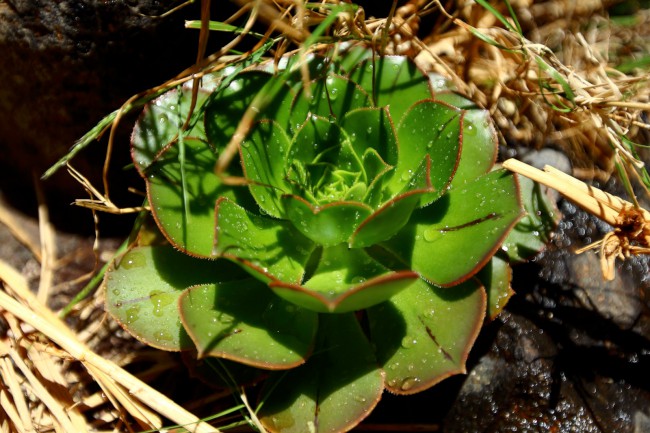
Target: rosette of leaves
348, 247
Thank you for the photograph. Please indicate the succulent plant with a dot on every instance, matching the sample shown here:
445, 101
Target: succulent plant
347, 248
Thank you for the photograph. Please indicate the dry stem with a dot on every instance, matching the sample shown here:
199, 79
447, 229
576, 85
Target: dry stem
631, 234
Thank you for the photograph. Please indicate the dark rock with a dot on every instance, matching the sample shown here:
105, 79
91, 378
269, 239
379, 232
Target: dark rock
571, 352
64, 66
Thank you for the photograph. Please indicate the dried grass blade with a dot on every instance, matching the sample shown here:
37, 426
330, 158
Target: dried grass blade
45, 321
10, 410
43, 394
145, 418
16, 227
10, 378
604, 207
48, 246
50, 371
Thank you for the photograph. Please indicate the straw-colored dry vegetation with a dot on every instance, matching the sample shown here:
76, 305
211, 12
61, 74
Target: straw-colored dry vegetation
568, 80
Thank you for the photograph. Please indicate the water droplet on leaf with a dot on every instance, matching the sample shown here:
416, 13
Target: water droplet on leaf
408, 342
470, 129
134, 259
132, 314
163, 335
409, 383
431, 235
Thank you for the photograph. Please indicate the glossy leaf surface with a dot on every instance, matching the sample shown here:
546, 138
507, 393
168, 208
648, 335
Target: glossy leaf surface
243, 321
143, 287
270, 249
419, 337
533, 231
496, 277
345, 280
451, 240
339, 386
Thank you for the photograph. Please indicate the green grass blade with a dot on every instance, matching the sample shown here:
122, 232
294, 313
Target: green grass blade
511, 11
218, 26
558, 78
500, 17
82, 143
625, 179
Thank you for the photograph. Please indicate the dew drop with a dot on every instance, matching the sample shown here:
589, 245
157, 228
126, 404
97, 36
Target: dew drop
470, 129
407, 175
132, 314
134, 259
225, 319
408, 342
360, 398
409, 383
163, 335
431, 235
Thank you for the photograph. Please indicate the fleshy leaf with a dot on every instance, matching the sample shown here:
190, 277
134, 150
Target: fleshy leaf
268, 248
438, 136
327, 225
331, 97
334, 391
159, 123
182, 196
533, 231
353, 57
387, 220
245, 322
496, 277
382, 76
143, 287
345, 280
479, 146
220, 123
372, 128
450, 240
479, 136
419, 334
263, 158
321, 141
378, 172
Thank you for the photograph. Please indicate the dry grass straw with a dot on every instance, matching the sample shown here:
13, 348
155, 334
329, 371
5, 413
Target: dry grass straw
576, 40
631, 233
555, 84
42, 387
